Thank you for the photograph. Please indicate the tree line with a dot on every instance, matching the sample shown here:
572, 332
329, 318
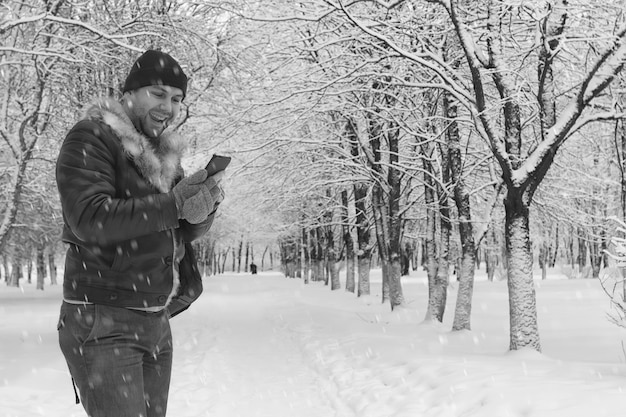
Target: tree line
442, 134
441, 123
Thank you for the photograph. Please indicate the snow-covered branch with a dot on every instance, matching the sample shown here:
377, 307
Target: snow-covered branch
604, 71
116, 39
11, 23
483, 122
35, 52
597, 117
442, 70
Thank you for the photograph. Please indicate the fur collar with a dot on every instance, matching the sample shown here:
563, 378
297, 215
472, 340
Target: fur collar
158, 165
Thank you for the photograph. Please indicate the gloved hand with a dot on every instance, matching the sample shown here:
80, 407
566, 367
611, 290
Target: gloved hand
218, 179
196, 196
187, 187
198, 207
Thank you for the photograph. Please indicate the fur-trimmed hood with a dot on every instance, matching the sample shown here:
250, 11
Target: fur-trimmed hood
158, 165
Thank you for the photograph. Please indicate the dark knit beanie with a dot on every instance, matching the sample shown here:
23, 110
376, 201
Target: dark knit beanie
155, 68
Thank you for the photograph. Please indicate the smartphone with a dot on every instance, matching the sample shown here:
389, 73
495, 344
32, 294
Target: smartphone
217, 163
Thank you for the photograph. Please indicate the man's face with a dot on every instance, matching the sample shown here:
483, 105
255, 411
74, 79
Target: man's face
152, 108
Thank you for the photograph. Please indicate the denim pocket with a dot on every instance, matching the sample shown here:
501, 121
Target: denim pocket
61, 322
80, 320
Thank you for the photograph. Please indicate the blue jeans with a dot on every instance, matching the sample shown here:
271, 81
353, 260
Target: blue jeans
120, 359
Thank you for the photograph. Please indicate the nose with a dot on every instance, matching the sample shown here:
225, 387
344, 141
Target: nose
166, 105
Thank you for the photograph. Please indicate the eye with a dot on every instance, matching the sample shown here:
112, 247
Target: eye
155, 93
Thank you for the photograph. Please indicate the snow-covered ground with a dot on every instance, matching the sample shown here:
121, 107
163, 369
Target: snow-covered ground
270, 346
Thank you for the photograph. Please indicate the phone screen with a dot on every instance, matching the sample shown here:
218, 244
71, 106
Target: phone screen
217, 163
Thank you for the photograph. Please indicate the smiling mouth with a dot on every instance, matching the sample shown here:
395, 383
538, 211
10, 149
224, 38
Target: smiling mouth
158, 118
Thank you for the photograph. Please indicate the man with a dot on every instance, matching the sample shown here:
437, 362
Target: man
129, 216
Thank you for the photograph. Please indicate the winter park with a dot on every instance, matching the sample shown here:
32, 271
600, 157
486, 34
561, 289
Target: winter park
313, 209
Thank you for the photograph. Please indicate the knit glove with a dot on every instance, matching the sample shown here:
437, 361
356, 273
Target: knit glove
196, 196
198, 207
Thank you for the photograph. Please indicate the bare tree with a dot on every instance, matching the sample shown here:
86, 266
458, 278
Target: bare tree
59, 55
490, 45
523, 168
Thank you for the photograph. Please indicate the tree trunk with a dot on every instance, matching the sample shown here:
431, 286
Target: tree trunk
570, 246
263, 257
363, 240
247, 262
317, 270
396, 296
17, 182
349, 243
5, 263
405, 259
326, 269
522, 303
582, 252
363, 270
423, 257
463, 311
490, 264
440, 294
320, 268
239, 256
335, 283
436, 304
385, 268
465, 272
595, 253
394, 253
16, 272
304, 255
491, 252
351, 272
553, 254
380, 218
362, 226
210, 255
224, 259
289, 254
312, 250
41, 267
386, 200
29, 267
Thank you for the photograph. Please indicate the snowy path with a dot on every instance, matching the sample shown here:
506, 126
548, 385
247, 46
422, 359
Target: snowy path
255, 347
270, 346
235, 357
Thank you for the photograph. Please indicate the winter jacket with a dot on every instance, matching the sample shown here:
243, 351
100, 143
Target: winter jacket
120, 218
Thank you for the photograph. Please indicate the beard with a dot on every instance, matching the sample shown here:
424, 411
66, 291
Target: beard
151, 123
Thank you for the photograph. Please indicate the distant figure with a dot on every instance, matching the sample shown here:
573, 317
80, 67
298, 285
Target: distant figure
253, 268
